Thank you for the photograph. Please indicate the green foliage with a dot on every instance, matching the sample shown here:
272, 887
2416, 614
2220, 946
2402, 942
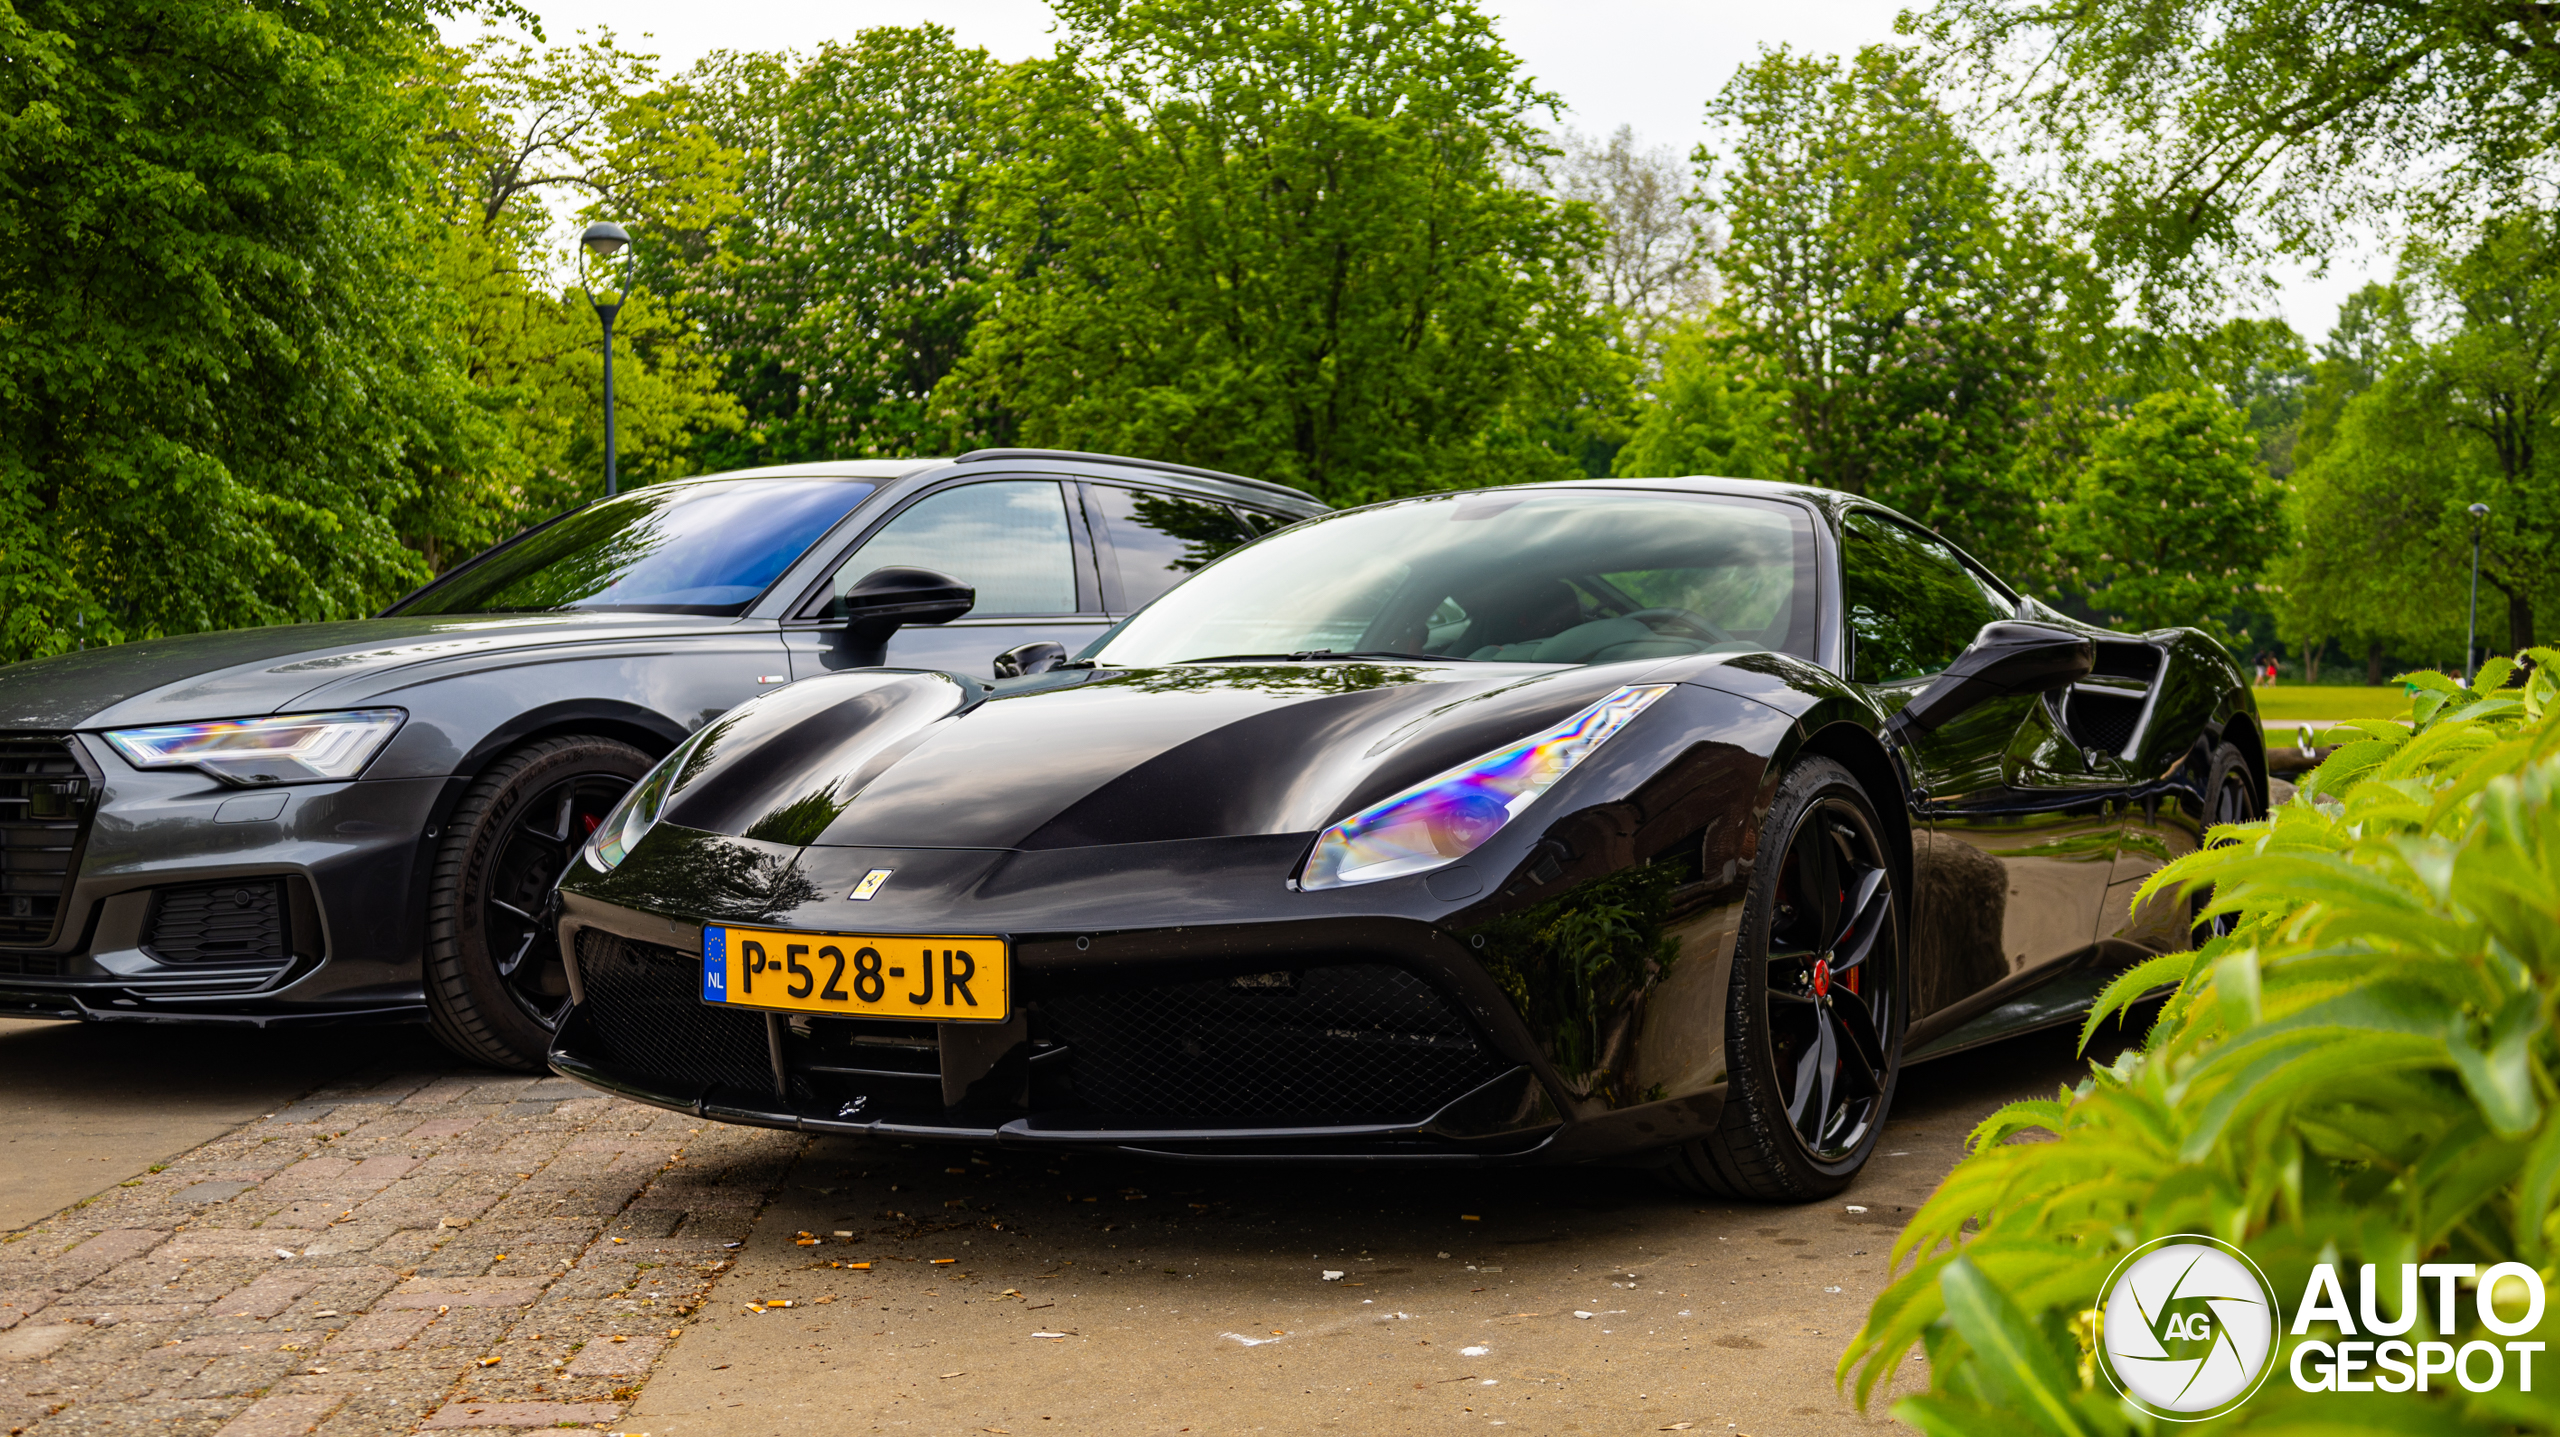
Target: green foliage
1709, 414
222, 360
2258, 366
2365, 561
527, 142
2365, 1069
2328, 582
2173, 517
2465, 414
1888, 287
2198, 132
846, 286
1274, 237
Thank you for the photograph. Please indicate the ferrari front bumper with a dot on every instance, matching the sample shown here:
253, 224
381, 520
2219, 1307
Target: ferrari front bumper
1202, 1051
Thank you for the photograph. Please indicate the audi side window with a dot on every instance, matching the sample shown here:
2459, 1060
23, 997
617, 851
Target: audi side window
1162, 539
1913, 605
1006, 538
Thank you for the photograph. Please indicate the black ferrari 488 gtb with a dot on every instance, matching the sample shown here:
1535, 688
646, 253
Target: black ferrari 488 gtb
1545, 823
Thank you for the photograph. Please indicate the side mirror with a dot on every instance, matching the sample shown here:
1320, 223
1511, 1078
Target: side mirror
1037, 657
2005, 658
885, 600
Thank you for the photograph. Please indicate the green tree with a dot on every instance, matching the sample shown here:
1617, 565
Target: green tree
2331, 585
2173, 519
1710, 413
1275, 237
846, 286
529, 142
2463, 412
2202, 131
2258, 366
224, 361
1888, 287
2361, 566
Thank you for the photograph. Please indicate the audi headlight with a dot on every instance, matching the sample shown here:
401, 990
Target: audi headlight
288, 748
640, 809
1445, 818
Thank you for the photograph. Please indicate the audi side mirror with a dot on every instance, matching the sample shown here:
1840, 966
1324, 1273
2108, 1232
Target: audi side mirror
1037, 657
2006, 658
886, 600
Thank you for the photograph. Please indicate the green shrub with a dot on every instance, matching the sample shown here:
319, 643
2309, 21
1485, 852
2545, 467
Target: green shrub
2361, 1071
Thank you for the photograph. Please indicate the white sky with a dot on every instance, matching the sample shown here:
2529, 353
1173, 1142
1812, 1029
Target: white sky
1651, 64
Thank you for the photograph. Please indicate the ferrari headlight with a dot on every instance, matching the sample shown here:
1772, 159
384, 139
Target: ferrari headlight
1445, 818
639, 811
288, 748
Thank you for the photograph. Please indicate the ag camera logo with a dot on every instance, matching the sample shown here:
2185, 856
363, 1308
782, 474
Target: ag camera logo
2187, 1327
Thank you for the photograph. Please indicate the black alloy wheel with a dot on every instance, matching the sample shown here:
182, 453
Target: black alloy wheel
2230, 796
1814, 1035
496, 982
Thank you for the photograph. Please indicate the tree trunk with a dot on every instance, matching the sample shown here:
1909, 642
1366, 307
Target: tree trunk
2519, 622
2311, 660
2373, 662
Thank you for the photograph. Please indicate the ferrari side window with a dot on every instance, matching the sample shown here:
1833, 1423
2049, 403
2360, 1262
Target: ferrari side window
1007, 538
1162, 538
1913, 605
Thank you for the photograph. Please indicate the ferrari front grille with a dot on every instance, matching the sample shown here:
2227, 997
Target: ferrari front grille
645, 1013
43, 814
1340, 1043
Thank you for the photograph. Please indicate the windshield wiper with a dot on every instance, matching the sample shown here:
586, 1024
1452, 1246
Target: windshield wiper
1305, 654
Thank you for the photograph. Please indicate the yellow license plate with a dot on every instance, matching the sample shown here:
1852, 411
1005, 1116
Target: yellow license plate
932, 978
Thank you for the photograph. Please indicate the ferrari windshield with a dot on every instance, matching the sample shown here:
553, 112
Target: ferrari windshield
669, 548
1549, 576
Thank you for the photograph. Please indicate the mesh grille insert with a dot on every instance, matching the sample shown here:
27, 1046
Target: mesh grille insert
43, 807
2103, 721
235, 923
1349, 1043
644, 1007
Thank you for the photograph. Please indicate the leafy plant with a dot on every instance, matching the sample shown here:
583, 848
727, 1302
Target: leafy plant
2365, 1069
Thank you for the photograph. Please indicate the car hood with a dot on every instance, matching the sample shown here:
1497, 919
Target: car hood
236, 673
915, 760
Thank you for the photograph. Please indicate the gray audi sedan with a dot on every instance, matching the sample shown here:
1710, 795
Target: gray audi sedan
363, 821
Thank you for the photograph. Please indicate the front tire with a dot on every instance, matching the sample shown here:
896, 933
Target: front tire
496, 985
1813, 1037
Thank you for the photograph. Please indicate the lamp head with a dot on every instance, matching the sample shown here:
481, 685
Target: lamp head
604, 239
2479, 511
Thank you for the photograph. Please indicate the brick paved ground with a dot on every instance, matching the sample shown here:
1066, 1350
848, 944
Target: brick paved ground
402, 1252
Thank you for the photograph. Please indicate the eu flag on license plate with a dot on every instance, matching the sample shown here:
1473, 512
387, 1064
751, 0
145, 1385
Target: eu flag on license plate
715, 965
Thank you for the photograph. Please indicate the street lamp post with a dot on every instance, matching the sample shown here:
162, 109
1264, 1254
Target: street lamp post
603, 240
2471, 625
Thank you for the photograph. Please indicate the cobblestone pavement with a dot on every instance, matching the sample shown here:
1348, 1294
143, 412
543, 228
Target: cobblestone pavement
396, 1253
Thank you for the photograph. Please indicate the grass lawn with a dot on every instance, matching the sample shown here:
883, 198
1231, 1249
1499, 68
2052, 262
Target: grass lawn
2287, 702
